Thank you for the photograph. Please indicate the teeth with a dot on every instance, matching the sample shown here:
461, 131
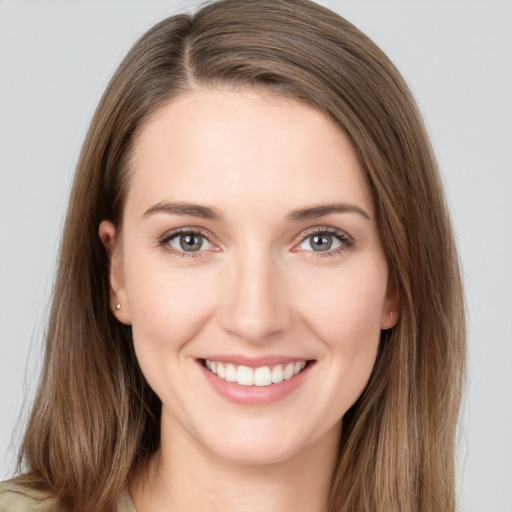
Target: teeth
230, 373
277, 374
262, 376
245, 376
288, 371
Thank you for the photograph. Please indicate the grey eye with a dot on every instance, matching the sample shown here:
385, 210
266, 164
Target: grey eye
320, 242
189, 242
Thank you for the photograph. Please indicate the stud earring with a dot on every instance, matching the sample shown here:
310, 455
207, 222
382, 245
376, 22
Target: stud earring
118, 307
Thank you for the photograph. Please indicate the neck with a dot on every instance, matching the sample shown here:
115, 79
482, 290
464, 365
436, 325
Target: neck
184, 476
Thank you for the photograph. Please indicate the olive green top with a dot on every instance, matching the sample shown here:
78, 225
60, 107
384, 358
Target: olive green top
18, 497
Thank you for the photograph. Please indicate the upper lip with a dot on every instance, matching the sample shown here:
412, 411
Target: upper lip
254, 362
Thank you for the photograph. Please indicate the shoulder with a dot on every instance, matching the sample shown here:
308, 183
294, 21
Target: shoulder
22, 495
18, 495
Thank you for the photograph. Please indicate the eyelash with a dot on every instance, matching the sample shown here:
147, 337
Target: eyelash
345, 240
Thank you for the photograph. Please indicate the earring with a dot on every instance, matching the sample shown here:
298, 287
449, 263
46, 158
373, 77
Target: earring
118, 307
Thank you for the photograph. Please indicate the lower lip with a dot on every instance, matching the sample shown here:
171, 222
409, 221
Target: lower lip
254, 395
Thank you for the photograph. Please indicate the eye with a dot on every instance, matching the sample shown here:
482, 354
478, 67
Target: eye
183, 242
326, 241
189, 242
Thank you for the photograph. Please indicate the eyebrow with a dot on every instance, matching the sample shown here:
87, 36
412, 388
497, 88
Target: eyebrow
206, 212
185, 209
313, 212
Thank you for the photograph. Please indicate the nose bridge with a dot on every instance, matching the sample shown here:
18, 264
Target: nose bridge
255, 307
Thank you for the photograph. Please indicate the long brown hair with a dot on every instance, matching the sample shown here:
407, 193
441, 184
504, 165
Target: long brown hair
95, 419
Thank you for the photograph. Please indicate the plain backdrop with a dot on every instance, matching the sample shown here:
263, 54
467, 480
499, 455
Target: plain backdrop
55, 60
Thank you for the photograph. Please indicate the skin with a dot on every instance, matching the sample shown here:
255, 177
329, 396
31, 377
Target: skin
256, 287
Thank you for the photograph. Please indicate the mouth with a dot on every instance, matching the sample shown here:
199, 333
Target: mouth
260, 376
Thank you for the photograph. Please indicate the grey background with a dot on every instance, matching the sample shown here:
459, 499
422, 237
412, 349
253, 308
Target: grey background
55, 60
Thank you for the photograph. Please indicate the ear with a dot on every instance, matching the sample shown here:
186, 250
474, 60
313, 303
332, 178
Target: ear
118, 296
391, 306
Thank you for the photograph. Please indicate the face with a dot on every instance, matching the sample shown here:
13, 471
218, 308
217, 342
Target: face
251, 270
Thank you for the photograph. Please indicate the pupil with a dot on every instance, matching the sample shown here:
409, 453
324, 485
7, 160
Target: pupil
190, 242
322, 242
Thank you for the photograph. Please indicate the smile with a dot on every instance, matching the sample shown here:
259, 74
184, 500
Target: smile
255, 381
260, 376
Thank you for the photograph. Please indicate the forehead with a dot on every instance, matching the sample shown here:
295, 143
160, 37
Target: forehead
213, 145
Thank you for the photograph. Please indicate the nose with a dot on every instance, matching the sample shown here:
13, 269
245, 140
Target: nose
256, 308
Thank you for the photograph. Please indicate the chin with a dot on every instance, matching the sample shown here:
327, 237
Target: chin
256, 446
254, 455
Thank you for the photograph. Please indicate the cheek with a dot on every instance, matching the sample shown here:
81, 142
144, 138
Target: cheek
344, 306
344, 311
168, 307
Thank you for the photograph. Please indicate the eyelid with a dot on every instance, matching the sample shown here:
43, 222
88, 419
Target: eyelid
186, 230
325, 229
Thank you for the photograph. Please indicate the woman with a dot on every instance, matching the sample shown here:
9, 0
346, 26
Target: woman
258, 302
